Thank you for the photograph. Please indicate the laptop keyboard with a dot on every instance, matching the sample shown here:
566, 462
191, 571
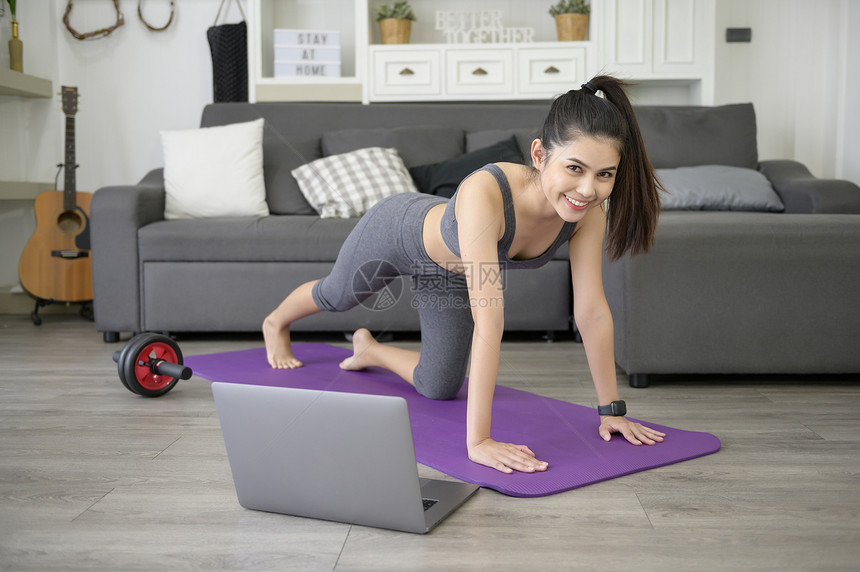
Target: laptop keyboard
428, 503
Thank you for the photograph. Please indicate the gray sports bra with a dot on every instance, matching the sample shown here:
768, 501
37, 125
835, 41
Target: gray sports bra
451, 237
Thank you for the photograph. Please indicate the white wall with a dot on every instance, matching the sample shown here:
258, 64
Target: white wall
800, 74
29, 145
131, 84
848, 131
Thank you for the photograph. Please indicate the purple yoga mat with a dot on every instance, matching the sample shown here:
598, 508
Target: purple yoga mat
563, 434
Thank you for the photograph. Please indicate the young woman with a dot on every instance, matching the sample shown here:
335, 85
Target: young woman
502, 216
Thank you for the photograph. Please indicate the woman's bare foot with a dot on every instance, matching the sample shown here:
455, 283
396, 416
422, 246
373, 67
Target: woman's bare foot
362, 342
278, 349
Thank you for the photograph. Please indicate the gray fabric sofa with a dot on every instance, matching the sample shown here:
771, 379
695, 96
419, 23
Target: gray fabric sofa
721, 292
228, 274
739, 292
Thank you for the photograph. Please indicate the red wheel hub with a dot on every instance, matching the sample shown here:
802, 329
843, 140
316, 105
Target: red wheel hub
149, 356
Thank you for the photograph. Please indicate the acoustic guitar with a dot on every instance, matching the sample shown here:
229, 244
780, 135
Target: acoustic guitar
55, 265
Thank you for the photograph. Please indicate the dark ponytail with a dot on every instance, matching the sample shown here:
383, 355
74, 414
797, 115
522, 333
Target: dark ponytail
634, 204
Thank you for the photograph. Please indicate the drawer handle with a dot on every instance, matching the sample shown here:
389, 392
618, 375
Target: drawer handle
552, 69
480, 71
406, 71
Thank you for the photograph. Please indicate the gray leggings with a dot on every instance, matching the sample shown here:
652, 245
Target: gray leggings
386, 243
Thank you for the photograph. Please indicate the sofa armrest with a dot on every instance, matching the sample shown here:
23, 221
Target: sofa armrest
116, 214
802, 192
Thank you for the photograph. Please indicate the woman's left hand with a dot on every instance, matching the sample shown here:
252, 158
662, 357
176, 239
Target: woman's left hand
636, 433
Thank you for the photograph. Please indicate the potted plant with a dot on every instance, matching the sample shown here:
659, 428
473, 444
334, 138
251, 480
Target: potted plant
16, 46
395, 22
571, 19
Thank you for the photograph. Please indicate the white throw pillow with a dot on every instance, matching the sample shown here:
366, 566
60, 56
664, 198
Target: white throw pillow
346, 185
214, 171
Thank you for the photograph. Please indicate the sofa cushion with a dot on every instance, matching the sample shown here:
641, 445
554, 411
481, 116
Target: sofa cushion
479, 139
214, 171
443, 178
280, 157
717, 188
282, 238
348, 184
419, 145
686, 136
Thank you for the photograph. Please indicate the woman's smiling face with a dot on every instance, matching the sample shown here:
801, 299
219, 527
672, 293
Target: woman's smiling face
578, 176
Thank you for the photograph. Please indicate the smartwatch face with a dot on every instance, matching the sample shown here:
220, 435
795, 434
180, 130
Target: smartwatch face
616, 408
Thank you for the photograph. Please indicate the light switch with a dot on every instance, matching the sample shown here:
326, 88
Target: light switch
738, 34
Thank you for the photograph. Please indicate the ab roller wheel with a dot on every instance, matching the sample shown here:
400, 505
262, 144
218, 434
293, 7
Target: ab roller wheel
150, 365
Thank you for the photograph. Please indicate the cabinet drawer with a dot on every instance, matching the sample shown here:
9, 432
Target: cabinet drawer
406, 72
543, 70
487, 72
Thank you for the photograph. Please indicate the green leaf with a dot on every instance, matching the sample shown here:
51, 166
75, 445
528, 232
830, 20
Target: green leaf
400, 10
570, 7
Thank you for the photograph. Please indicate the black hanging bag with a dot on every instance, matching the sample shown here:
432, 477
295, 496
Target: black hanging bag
229, 46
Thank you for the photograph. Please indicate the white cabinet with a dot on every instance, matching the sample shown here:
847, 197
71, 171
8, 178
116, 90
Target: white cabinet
485, 71
551, 70
627, 37
654, 40
409, 72
476, 71
664, 46
653, 37
681, 32
405, 72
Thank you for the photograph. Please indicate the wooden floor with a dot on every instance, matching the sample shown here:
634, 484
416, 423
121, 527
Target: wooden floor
95, 478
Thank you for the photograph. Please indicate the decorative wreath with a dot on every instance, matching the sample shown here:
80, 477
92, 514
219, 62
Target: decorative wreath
95, 34
147, 24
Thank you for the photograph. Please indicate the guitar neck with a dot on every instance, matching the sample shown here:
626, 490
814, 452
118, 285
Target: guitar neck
70, 188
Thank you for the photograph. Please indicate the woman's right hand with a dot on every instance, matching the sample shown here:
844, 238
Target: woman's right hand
505, 457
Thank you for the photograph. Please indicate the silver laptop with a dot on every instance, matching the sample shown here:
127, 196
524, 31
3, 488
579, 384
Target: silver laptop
328, 455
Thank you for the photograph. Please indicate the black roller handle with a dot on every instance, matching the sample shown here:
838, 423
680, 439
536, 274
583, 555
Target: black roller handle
174, 370
162, 367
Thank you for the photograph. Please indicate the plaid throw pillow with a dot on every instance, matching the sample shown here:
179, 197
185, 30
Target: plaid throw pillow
346, 185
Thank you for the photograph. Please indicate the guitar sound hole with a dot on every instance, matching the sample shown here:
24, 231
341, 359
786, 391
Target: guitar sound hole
69, 222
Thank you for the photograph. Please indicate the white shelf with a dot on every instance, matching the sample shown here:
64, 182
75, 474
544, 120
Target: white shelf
667, 45
349, 17
12, 190
308, 89
23, 85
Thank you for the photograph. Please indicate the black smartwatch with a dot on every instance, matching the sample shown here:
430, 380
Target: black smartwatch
616, 408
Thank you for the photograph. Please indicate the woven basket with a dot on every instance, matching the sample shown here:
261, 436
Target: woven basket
571, 27
395, 30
